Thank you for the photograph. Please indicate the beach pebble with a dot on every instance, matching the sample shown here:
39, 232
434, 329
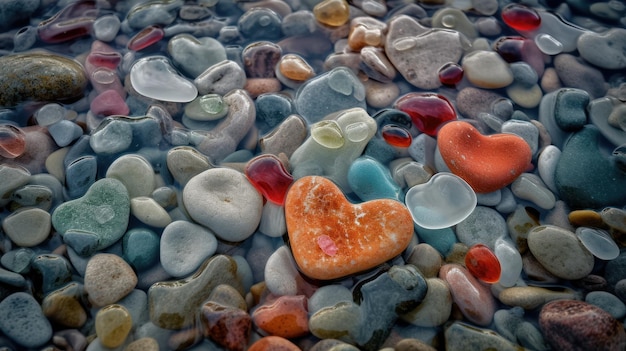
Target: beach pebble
113, 324
108, 278
461, 336
436, 307
149, 212
486, 69
484, 225
226, 325
273, 343
22, 320
286, 316
155, 77
40, 77
605, 50
221, 78
315, 202
560, 252
218, 198
135, 172
473, 299
608, 302
339, 88
531, 297
577, 324
173, 304
409, 46
194, 55
575, 73
28, 227
509, 155
529, 186
184, 246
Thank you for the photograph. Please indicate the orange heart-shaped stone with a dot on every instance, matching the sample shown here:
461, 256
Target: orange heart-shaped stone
332, 238
486, 162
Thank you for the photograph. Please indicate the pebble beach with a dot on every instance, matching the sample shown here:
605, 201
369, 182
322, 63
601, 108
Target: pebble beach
323, 175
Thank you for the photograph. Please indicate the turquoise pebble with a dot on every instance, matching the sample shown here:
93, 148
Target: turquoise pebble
12, 278
141, 248
103, 210
80, 148
584, 177
370, 179
84, 243
22, 320
441, 239
570, 110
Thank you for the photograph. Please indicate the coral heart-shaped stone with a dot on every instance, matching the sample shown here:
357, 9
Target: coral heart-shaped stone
332, 238
486, 162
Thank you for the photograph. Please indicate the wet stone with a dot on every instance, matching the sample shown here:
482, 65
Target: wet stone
108, 278
40, 77
194, 55
23, 322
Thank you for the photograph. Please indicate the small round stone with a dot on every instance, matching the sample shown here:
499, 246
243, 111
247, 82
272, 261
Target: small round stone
113, 324
108, 278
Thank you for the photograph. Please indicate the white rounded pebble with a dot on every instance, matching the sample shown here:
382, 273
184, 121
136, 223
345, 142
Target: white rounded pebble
28, 227
524, 129
546, 165
510, 262
273, 222
223, 200
135, 172
486, 69
281, 272
184, 246
526, 97
149, 212
530, 187
105, 28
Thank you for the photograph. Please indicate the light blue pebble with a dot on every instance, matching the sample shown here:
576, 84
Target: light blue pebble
84, 243
185, 246
80, 175
18, 261
608, 302
441, 239
378, 149
489, 199
65, 132
523, 74
525, 130
370, 180
111, 137
244, 272
22, 320
328, 296
12, 278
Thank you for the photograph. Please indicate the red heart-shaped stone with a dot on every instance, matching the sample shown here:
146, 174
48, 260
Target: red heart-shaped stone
332, 238
486, 162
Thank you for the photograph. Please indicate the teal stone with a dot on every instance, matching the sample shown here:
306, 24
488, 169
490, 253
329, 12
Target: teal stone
104, 210
370, 180
18, 261
80, 175
50, 272
570, 110
116, 134
441, 239
84, 244
585, 177
140, 248
22, 320
379, 149
272, 109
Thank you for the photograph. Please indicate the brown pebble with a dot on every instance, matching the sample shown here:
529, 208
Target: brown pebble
258, 86
226, 325
577, 325
586, 218
413, 345
143, 344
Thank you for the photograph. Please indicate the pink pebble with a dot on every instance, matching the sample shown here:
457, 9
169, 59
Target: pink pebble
287, 316
109, 103
473, 298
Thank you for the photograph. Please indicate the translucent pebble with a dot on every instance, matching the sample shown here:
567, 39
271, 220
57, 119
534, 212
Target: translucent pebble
483, 263
450, 74
445, 200
332, 12
327, 134
269, 176
548, 44
146, 37
396, 136
520, 17
156, 78
598, 242
106, 27
50, 114
273, 220
510, 262
12, 141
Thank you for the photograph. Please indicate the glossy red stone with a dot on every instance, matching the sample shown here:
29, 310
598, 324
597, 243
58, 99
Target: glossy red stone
269, 176
73, 21
12, 141
483, 264
520, 17
108, 60
146, 37
396, 136
428, 111
450, 74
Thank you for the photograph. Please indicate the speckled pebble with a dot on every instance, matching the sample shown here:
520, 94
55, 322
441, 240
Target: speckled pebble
108, 278
23, 322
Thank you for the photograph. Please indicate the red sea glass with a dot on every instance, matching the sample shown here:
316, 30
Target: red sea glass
509, 48
428, 111
450, 74
73, 21
483, 264
269, 176
12, 141
396, 136
520, 17
145, 38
